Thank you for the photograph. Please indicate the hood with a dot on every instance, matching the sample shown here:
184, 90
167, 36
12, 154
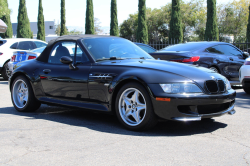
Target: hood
192, 72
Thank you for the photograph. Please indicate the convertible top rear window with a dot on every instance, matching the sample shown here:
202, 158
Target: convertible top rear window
105, 48
183, 47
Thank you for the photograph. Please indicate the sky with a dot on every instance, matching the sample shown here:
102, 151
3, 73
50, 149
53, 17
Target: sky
76, 9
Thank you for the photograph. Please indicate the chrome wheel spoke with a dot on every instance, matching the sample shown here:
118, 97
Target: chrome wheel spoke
126, 100
135, 97
128, 113
136, 116
23, 87
139, 109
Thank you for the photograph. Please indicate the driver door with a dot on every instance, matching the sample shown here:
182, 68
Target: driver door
59, 81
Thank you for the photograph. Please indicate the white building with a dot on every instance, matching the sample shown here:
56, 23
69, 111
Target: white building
49, 30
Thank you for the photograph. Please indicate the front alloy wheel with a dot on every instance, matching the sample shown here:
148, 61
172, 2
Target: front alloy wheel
133, 107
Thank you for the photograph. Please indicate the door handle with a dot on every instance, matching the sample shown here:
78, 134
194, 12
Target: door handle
231, 59
46, 71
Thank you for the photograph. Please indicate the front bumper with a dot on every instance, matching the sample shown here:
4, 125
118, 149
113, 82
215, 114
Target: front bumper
244, 72
229, 111
194, 107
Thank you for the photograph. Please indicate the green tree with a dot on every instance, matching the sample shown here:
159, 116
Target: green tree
129, 27
75, 32
158, 21
176, 31
31, 34
193, 20
58, 29
63, 30
114, 31
142, 30
212, 32
6, 19
89, 23
248, 27
40, 23
23, 25
4, 10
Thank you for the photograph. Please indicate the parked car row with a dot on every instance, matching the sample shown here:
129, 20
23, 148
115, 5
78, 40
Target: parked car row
113, 75
9, 46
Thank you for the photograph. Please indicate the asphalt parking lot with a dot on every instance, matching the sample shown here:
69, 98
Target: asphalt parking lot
62, 136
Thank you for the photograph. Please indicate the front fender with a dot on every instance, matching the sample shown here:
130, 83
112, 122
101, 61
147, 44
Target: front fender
144, 78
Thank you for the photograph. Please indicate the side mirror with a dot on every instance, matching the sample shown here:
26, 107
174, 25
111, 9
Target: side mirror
245, 55
66, 60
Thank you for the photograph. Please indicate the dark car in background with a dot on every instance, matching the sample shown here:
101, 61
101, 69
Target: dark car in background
220, 57
146, 47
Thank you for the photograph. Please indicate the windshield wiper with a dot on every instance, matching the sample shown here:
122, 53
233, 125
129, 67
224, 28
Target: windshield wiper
111, 58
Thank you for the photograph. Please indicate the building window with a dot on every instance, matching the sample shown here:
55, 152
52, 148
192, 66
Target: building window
50, 27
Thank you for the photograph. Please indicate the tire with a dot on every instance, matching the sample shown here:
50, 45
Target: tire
246, 89
22, 95
134, 108
5, 72
214, 69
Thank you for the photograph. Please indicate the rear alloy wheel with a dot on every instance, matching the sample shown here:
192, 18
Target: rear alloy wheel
246, 89
22, 95
214, 69
134, 108
6, 73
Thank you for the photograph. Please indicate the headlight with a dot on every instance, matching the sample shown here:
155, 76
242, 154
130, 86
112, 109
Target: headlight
180, 88
228, 85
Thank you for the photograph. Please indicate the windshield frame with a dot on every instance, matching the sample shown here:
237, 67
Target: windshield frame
148, 56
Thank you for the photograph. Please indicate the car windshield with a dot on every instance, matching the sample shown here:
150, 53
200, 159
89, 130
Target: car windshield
114, 48
183, 47
39, 50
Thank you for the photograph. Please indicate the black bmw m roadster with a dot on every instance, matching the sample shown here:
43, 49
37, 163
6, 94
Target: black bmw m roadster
112, 74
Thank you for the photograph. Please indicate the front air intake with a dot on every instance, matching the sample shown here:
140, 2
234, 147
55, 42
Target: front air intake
212, 86
221, 85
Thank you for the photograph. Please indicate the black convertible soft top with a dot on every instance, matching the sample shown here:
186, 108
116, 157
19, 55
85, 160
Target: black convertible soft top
45, 54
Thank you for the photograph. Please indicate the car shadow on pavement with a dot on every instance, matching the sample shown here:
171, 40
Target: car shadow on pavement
109, 123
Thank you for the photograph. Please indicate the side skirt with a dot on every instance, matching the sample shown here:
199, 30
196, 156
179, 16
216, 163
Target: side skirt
97, 107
